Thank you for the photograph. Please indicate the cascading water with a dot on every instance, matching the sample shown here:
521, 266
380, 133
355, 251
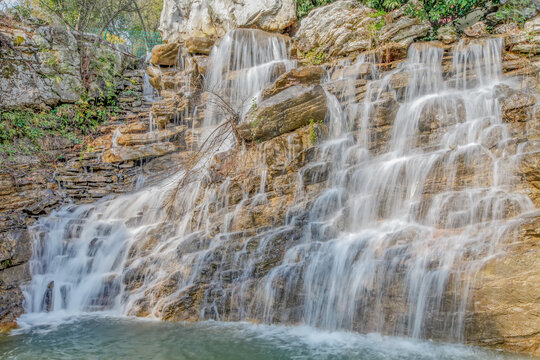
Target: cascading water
81, 252
392, 244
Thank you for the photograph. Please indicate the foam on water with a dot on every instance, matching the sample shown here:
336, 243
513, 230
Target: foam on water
93, 337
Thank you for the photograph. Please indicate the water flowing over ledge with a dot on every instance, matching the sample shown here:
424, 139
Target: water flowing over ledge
418, 192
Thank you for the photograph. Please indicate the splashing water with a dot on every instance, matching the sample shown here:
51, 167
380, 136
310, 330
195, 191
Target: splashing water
415, 203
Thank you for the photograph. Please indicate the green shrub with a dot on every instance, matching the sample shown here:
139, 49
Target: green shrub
441, 12
66, 120
517, 11
303, 7
385, 5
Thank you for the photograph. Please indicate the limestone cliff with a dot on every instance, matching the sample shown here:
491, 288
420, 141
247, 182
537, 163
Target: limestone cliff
199, 23
249, 236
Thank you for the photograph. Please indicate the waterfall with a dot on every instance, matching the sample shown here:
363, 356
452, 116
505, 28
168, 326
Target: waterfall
392, 244
84, 255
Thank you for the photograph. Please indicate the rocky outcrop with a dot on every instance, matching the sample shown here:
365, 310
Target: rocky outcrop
347, 27
289, 110
42, 65
336, 29
199, 23
447, 34
33, 185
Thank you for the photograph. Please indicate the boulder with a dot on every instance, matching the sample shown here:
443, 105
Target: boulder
304, 76
289, 110
476, 30
199, 23
165, 54
339, 28
447, 34
404, 30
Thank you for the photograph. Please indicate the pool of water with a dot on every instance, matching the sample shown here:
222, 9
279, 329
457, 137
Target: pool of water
108, 337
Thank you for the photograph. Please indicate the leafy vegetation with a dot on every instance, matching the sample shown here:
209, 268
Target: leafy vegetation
437, 12
516, 11
314, 129
385, 5
316, 56
303, 7
71, 121
441, 12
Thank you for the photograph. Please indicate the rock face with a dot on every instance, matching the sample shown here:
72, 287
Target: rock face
525, 42
197, 22
347, 27
279, 190
504, 294
42, 68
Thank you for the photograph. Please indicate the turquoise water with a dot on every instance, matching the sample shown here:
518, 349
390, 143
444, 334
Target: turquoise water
90, 337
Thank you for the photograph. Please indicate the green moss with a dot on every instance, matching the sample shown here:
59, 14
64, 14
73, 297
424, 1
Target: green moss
18, 41
8, 69
313, 130
4, 264
315, 56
